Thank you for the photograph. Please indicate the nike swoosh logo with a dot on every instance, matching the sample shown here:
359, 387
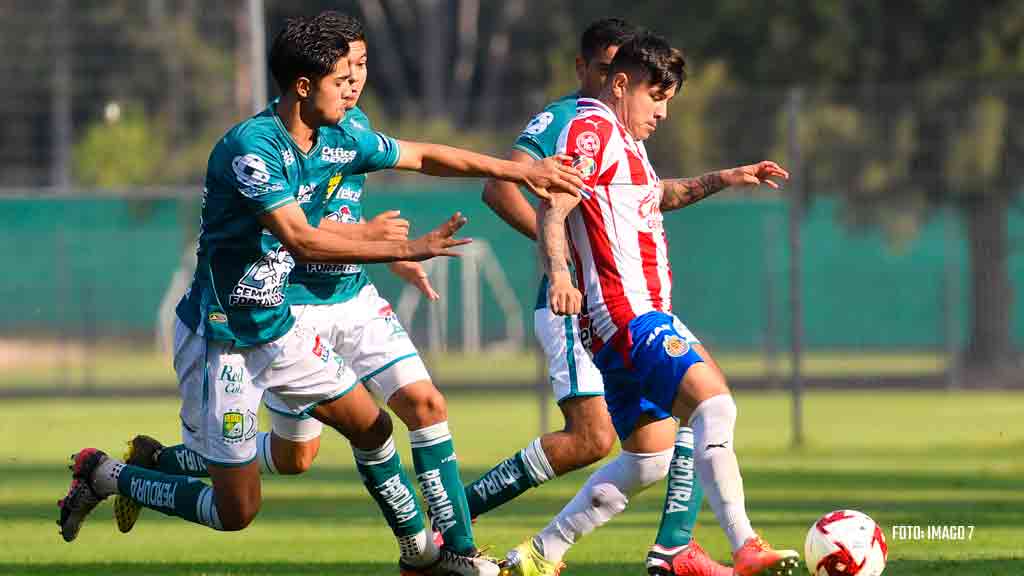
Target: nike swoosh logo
710, 446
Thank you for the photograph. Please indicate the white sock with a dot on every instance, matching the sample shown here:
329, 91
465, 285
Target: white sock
104, 477
418, 549
206, 510
605, 494
537, 465
264, 454
713, 423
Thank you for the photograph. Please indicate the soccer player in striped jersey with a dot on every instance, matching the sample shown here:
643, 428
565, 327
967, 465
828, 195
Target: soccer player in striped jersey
653, 366
578, 388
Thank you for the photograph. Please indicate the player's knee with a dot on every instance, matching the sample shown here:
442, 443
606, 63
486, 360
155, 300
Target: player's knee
299, 459
420, 405
593, 437
593, 442
371, 435
607, 500
237, 515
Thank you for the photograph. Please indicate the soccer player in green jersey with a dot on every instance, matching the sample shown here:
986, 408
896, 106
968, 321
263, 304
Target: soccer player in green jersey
267, 184
361, 327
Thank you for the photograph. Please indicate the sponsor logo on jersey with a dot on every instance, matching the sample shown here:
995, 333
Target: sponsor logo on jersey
585, 165
332, 184
306, 192
337, 155
588, 143
320, 351
233, 423
539, 123
352, 192
252, 175
263, 284
675, 346
231, 377
288, 157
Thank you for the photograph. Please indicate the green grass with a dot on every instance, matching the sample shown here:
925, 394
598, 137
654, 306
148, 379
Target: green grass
116, 367
904, 458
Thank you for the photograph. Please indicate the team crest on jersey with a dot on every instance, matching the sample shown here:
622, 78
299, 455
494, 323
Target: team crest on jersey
218, 317
675, 346
539, 123
332, 184
585, 165
588, 143
288, 157
233, 423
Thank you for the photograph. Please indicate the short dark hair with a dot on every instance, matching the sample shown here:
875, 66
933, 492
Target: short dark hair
351, 28
308, 47
604, 33
648, 57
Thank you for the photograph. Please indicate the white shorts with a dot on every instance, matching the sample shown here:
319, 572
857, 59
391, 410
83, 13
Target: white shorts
570, 370
366, 333
221, 387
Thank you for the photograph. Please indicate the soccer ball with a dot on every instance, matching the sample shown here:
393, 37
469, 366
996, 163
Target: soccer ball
845, 543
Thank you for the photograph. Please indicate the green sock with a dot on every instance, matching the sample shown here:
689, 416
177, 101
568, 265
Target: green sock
179, 460
683, 497
528, 468
173, 495
433, 456
182, 461
382, 474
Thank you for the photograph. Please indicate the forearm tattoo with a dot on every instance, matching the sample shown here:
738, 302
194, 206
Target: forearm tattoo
682, 192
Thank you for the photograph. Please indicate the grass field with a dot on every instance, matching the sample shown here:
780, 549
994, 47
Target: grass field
904, 458
50, 366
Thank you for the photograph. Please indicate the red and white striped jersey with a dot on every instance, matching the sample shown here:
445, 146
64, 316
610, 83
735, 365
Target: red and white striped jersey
616, 233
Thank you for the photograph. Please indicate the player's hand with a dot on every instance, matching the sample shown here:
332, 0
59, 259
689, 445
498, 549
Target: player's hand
387, 226
754, 175
563, 298
439, 241
413, 273
553, 174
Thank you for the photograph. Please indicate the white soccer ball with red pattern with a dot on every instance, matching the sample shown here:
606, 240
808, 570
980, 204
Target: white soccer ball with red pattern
845, 543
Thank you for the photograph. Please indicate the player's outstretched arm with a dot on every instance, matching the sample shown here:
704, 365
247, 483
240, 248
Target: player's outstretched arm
308, 244
538, 176
505, 199
681, 192
563, 298
384, 226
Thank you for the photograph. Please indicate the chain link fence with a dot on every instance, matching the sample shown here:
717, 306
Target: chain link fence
891, 258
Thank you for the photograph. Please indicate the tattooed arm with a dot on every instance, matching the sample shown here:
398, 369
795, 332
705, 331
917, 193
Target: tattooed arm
681, 192
563, 298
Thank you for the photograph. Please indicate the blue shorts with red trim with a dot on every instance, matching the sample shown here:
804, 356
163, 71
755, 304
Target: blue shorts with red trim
642, 369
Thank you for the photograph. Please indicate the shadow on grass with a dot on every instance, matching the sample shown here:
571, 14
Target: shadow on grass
798, 496
965, 567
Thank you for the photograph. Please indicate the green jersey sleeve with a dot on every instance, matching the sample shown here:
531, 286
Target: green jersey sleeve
374, 150
258, 174
540, 137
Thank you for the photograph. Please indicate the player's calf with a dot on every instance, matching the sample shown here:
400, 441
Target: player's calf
587, 438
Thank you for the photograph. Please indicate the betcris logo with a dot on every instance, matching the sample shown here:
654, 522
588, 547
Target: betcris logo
337, 155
